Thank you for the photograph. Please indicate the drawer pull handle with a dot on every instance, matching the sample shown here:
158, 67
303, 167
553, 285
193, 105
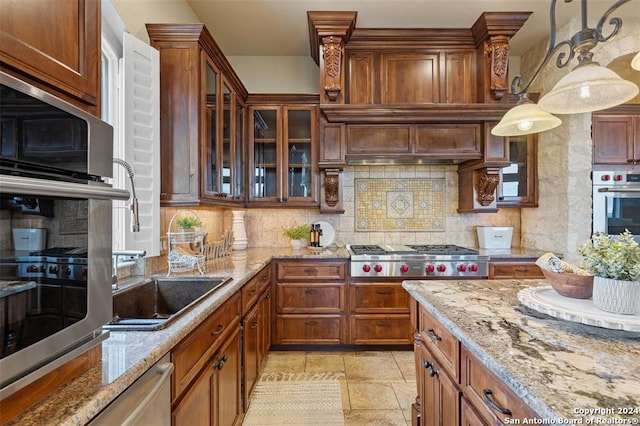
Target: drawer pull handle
383, 323
218, 331
253, 292
310, 271
432, 335
522, 270
427, 364
254, 324
311, 323
310, 291
485, 394
267, 296
384, 291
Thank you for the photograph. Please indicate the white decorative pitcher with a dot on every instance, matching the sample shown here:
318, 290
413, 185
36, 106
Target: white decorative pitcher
616, 296
240, 241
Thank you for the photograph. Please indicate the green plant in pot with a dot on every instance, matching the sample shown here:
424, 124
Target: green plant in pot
615, 264
298, 234
188, 223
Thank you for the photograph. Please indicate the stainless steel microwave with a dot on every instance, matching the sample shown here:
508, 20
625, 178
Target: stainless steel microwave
55, 239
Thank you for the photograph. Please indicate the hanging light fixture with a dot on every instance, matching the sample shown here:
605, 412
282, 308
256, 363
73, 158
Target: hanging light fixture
635, 62
588, 87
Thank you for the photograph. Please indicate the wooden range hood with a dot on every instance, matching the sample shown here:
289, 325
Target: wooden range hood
408, 95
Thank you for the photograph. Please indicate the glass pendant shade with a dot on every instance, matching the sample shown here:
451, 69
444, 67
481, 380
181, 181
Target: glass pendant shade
635, 62
524, 119
589, 87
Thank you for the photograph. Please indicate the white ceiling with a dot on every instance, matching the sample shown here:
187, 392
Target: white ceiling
279, 27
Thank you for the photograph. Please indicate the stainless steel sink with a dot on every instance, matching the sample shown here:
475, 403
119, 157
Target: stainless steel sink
152, 305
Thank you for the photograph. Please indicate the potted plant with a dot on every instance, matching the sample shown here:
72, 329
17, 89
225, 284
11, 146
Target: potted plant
615, 264
298, 234
187, 223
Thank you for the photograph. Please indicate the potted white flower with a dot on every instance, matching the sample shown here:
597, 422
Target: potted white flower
615, 264
298, 234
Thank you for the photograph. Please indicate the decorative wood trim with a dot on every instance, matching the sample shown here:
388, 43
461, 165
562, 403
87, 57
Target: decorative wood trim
487, 183
332, 52
282, 98
332, 186
491, 24
323, 24
411, 38
417, 113
497, 48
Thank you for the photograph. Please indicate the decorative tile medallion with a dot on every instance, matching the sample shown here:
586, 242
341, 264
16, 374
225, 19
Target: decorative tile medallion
399, 205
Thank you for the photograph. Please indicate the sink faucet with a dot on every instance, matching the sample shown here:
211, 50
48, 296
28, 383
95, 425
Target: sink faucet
135, 220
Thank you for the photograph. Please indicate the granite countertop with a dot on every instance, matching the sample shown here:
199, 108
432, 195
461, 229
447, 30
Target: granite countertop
514, 254
560, 369
127, 355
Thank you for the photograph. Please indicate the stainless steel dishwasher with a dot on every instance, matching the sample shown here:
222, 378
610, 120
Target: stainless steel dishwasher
146, 402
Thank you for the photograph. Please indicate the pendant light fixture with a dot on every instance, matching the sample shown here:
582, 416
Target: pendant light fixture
635, 62
588, 87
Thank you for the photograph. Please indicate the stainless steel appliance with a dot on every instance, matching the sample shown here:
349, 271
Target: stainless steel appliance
53, 302
417, 261
616, 201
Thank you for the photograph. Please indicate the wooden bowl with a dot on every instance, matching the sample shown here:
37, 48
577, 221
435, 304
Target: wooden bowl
570, 285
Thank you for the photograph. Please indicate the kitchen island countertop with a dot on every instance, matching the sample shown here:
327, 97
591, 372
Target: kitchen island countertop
126, 355
560, 369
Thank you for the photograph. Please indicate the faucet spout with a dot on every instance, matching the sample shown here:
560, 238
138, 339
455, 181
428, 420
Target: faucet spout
135, 218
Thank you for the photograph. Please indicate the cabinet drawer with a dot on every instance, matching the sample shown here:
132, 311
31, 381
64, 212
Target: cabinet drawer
311, 270
310, 298
514, 270
394, 329
310, 329
487, 393
444, 346
374, 298
193, 352
254, 287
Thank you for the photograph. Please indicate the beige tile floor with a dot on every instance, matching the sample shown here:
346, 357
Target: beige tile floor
378, 388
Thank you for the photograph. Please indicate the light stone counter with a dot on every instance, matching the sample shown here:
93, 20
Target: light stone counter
555, 366
127, 355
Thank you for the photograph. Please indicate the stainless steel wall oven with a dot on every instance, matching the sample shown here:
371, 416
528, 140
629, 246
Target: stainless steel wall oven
55, 239
616, 201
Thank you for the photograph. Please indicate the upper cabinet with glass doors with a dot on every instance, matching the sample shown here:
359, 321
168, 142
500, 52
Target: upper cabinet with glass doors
283, 149
202, 103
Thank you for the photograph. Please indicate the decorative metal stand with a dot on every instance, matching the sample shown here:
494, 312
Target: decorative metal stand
186, 246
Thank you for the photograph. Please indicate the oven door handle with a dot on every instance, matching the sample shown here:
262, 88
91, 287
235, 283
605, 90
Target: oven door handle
31, 186
618, 189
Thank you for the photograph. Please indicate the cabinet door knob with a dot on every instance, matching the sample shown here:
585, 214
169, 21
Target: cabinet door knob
432, 335
427, 364
486, 393
218, 331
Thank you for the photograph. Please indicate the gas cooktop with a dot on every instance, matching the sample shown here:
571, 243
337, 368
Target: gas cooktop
419, 260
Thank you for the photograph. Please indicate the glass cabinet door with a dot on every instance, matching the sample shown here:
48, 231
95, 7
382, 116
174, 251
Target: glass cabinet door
519, 181
239, 150
298, 153
211, 131
265, 182
225, 188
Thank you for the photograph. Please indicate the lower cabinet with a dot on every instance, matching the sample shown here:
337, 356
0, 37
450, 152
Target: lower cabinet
454, 387
311, 303
508, 270
206, 384
379, 314
256, 328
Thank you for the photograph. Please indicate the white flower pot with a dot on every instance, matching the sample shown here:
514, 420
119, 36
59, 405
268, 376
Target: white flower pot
616, 296
296, 244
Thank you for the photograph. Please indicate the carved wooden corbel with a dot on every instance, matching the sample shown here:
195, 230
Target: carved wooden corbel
487, 183
332, 55
332, 187
497, 47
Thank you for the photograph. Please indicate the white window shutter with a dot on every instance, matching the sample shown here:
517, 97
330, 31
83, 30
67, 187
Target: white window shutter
140, 89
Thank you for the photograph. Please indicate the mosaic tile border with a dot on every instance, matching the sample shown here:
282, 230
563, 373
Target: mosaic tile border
400, 205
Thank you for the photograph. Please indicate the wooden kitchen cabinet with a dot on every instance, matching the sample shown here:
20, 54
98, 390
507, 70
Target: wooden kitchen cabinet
495, 403
256, 328
283, 154
454, 387
206, 360
202, 107
508, 270
409, 77
310, 303
379, 314
63, 60
616, 137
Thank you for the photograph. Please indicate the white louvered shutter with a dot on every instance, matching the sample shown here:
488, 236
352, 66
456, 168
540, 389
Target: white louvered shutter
140, 89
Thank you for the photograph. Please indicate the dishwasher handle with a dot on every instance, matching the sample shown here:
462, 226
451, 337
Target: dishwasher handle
165, 371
